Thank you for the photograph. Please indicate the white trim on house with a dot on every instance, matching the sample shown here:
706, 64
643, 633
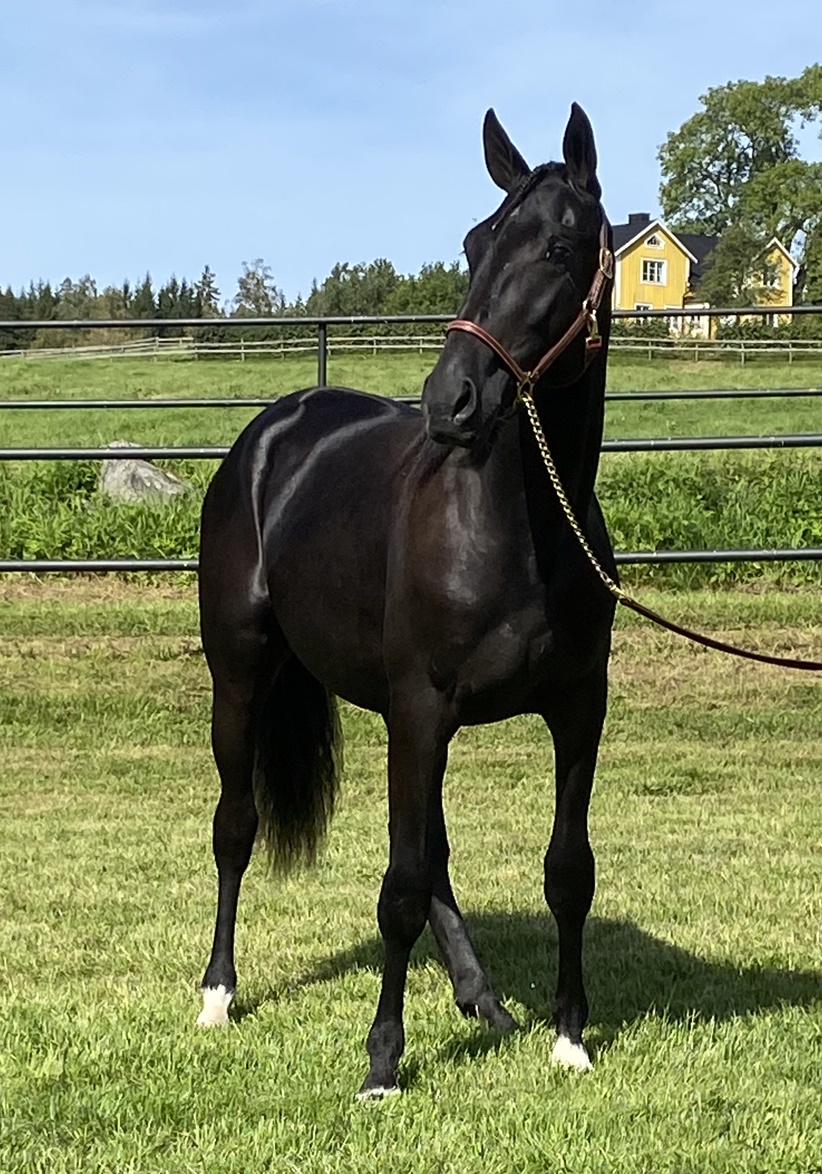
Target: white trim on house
647, 230
656, 266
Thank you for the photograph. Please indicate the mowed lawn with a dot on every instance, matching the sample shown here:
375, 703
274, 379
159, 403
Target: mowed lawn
704, 948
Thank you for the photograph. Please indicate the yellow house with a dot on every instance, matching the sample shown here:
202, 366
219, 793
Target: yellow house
658, 269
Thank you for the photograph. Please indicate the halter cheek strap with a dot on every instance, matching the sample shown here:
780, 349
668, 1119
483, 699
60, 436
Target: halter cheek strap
586, 320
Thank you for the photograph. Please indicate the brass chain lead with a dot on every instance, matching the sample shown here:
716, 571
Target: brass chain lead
527, 399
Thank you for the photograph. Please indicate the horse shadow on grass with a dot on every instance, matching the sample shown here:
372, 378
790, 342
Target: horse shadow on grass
630, 974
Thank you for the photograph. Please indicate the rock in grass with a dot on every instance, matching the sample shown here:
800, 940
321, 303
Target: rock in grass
127, 479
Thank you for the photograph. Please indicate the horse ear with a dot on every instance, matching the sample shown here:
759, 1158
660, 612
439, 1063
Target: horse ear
505, 164
580, 153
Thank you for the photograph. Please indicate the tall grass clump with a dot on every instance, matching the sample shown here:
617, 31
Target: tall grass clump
716, 501
54, 510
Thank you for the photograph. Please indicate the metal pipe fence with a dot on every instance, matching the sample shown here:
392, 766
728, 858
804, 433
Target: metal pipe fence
214, 452
191, 347
218, 451
48, 405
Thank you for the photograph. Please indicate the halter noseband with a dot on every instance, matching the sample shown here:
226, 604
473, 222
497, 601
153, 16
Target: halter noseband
586, 319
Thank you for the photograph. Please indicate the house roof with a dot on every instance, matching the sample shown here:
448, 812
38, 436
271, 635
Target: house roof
698, 246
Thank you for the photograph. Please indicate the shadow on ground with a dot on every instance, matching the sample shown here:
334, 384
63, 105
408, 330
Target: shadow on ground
629, 974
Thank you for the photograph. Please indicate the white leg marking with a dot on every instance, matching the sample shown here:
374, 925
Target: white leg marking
570, 1055
379, 1094
216, 1001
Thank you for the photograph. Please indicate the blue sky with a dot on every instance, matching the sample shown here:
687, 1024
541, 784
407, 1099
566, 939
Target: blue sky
163, 136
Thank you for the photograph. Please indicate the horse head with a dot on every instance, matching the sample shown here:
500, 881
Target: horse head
539, 268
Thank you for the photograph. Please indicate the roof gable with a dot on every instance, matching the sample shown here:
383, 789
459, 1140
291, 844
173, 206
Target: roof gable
628, 234
775, 243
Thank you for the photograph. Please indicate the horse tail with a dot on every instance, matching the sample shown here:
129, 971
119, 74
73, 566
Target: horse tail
298, 761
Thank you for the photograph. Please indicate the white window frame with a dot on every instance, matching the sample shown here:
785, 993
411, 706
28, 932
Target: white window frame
643, 306
659, 267
655, 241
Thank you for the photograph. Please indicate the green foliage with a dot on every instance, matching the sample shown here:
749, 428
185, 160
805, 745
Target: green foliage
733, 169
53, 510
257, 295
653, 328
737, 272
350, 290
690, 501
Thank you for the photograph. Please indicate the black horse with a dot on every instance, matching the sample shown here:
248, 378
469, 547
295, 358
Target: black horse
419, 565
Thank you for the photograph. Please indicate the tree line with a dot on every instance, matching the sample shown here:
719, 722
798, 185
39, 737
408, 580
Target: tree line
373, 288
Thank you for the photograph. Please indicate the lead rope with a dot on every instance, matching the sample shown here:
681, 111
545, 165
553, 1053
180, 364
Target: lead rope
525, 396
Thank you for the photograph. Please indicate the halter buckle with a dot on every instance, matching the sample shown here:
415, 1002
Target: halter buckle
606, 263
593, 339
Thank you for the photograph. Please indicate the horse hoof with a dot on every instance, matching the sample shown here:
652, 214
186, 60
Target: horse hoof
492, 1012
378, 1092
216, 1001
502, 1021
570, 1055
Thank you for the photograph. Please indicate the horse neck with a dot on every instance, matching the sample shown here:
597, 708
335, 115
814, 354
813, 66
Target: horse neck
572, 421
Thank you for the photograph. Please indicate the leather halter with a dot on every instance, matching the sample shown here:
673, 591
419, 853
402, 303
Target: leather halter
586, 319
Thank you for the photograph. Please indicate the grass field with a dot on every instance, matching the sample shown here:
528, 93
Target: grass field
704, 950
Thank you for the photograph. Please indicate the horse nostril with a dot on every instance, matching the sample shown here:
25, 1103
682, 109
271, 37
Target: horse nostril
466, 404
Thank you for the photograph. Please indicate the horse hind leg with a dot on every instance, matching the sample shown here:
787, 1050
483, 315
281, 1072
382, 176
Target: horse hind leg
276, 742
473, 991
235, 819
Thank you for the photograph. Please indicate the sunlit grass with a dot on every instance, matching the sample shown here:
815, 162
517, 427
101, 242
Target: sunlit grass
704, 951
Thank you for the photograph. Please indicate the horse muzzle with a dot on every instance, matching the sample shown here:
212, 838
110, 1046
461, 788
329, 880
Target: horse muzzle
449, 419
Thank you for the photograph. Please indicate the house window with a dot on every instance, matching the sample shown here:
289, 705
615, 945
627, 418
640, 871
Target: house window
653, 272
643, 306
654, 241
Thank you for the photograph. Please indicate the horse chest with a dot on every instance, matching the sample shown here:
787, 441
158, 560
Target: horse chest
493, 674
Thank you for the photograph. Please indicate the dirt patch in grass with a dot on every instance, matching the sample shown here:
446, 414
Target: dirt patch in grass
93, 589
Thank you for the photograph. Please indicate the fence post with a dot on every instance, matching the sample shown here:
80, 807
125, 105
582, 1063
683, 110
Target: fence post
742, 351
322, 355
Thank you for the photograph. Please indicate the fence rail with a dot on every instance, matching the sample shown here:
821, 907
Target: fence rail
218, 451
189, 347
49, 405
324, 344
622, 558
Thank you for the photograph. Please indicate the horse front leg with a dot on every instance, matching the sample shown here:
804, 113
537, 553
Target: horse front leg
575, 719
417, 744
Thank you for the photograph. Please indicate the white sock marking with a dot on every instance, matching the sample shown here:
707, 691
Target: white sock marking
216, 1001
570, 1055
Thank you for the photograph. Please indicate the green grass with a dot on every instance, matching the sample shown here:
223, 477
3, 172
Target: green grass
704, 953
